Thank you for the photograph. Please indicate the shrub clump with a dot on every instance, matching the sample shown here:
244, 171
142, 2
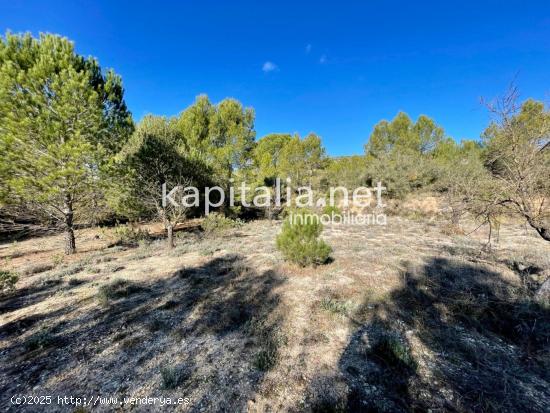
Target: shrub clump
41, 339
394, 353
270, 339
335, 306
299, 241
7, 280
37, 268
129, 235
71, 269
117, 289
172, 376
332, 210
218, 223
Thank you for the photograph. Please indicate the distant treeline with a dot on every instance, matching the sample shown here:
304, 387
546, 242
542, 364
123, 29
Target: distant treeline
71, 153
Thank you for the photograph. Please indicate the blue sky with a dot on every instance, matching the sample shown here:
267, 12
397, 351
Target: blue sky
333, 68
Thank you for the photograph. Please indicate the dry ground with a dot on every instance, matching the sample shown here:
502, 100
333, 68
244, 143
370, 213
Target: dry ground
406, 317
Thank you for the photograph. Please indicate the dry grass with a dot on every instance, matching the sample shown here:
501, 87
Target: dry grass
407, 316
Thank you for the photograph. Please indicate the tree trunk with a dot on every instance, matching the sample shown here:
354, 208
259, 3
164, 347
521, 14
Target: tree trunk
70, 245
269, 212
170, 233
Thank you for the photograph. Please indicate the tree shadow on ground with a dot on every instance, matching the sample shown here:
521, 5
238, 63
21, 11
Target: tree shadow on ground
454, 337
208, 333
25, 297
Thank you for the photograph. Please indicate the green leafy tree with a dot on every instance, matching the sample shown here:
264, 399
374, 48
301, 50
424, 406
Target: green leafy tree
232, 137
194, 125
401, 172
302, 159
61, 121
400, 152
154, 157
347, 171
402, 134
267, 156
446, 150
222, 135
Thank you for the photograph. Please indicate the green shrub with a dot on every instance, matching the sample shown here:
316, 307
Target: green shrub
126, 234
172, 376
330, 209
335, 306
394, 353
57, 259
7, 280
299, 241
402, 172
266, 358
218, 223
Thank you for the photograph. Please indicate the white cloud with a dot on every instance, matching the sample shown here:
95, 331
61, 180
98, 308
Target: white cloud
308, 48
323, 59
269, 67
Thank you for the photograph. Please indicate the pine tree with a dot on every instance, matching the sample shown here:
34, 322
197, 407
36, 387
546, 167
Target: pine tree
61, 120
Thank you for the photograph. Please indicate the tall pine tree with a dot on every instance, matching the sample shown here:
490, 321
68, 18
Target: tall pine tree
61, 121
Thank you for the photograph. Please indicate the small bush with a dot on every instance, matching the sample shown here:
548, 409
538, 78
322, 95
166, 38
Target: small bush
171, 377
39, 340
267, 357
50, 281
8, 279
452, 230
102, 259
217, 223
299, 241
269, 338
57, 259
116, 289
335, 306
331, 209
73, 282
394, 353
181, 250
71, 269
270, 343
128, 235
114, 268
158, 324
37, 268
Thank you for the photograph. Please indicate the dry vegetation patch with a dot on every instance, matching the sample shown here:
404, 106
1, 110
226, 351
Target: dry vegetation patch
395, 322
